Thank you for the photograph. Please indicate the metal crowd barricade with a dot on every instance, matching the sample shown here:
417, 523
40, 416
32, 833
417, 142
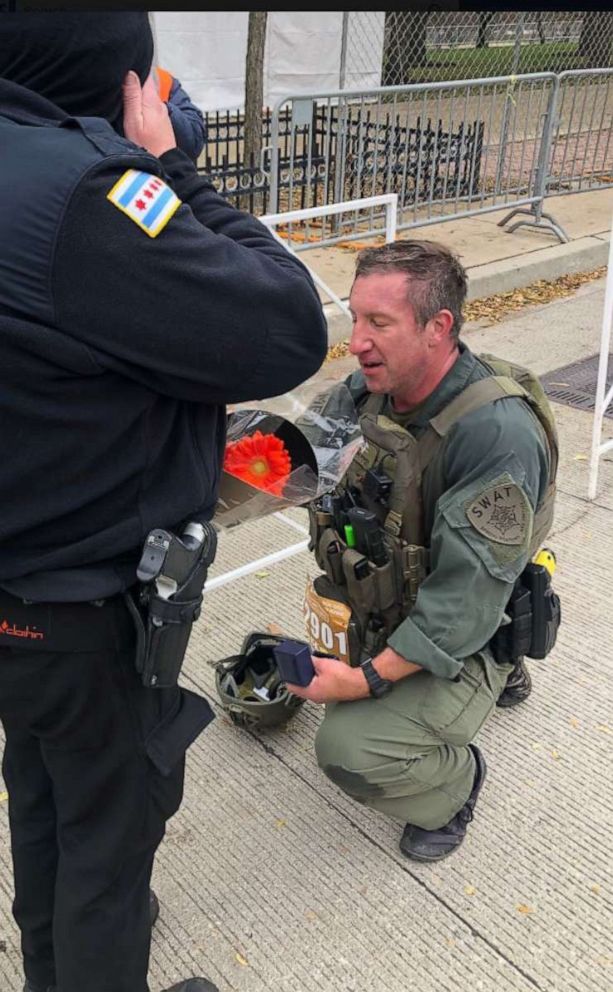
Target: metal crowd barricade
449, 150
582, 151
576, 152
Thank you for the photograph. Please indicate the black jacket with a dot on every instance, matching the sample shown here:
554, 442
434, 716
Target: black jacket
119, 350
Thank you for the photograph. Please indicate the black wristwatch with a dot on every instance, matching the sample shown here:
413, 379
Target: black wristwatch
378, 687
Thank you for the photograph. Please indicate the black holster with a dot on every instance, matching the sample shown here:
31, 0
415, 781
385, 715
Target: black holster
163, 625
535, 616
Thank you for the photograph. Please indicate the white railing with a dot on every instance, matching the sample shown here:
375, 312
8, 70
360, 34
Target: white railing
387, 200
261, 563
603, 396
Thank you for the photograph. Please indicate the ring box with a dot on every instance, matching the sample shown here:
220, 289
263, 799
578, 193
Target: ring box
293, 660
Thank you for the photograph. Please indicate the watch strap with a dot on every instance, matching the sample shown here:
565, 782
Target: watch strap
378, 686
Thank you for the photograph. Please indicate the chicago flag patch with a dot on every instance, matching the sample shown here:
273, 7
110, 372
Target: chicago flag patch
146, 200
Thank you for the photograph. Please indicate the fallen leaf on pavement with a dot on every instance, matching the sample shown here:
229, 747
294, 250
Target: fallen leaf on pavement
3, 797
470, 890
262, 575
280, 823
522, 908
274, 628
241, 960
603, 728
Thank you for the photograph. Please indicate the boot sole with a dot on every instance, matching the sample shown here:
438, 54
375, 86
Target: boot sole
429, 861
508, 704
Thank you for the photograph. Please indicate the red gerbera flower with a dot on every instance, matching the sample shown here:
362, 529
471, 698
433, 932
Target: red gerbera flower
262, 460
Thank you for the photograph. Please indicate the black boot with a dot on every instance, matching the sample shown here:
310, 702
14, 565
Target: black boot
518, 686
154, 907
28, 987
433, 845
193, 985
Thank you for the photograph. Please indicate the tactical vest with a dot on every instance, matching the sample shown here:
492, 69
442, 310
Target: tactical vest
373, 600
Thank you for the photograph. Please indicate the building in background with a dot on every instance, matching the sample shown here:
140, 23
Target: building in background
305, 52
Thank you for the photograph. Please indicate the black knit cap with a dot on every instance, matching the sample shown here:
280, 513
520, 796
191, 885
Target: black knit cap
76, 60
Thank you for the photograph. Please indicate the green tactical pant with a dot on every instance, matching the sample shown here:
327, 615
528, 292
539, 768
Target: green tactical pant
406, 754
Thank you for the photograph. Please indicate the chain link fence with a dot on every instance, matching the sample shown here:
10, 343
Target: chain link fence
418, 46
436, 147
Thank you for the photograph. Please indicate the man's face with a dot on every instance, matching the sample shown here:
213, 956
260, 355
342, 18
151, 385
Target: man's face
395, 353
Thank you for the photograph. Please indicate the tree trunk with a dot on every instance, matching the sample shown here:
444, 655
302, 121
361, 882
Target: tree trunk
485, 17
596, 38
405, 45
254, 85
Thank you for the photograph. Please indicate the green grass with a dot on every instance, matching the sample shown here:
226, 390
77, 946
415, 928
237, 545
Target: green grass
477, 63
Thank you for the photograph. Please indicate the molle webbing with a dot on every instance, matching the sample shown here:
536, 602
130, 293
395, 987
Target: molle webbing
388, 592
476, 395
404, 505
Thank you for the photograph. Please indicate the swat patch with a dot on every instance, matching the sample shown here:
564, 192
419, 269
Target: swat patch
501, 513
145, 199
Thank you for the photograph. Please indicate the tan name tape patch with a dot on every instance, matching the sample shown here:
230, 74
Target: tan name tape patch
501, 513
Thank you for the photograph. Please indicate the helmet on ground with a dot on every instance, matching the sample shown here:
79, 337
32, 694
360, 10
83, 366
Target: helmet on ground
250, 687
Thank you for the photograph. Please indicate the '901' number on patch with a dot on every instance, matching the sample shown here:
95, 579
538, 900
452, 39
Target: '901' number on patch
327, 622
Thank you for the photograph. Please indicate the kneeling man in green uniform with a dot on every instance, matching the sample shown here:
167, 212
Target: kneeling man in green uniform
422, 547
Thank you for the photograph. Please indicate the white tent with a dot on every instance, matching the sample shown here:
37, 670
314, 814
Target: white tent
206, 52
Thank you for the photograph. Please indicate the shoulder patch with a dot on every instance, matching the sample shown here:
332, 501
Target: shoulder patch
145, 199
501, 513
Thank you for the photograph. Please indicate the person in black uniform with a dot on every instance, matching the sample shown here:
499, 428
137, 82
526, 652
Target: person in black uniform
134, 304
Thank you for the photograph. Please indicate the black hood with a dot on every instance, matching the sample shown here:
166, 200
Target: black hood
77, 61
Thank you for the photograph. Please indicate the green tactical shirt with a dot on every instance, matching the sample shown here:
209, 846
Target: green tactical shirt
479, 494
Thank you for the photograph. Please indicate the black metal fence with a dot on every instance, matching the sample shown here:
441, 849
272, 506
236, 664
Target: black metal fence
373, 155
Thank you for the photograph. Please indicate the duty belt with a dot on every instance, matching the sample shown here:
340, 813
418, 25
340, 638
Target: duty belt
66, 627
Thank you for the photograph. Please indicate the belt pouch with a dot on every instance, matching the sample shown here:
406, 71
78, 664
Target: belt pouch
361, 591
546, 611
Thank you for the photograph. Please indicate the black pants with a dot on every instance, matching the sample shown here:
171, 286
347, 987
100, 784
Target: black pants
94, 767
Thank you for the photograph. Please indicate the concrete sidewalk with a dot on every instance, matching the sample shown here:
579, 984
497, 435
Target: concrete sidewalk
496, 260
271, 880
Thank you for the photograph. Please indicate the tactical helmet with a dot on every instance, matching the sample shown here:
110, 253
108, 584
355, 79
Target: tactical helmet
250, 687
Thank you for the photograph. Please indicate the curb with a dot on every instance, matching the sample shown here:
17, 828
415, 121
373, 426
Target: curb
581, 255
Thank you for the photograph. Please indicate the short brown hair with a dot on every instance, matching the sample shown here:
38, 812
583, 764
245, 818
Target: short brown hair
437, 278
